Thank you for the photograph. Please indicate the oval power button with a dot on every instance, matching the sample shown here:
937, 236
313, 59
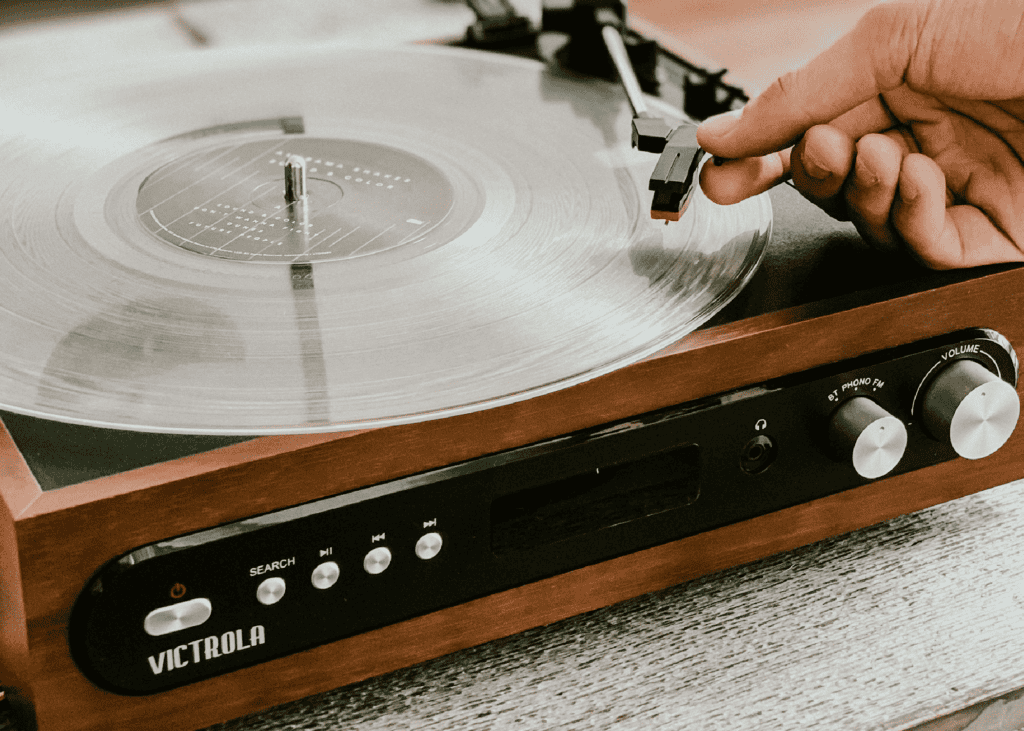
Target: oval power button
177, 617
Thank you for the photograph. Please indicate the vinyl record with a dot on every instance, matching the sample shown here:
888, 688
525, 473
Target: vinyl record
476, 232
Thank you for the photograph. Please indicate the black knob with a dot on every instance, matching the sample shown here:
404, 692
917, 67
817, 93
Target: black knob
867, 435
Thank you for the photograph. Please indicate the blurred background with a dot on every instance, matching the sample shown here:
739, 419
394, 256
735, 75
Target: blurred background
21, 11
756, 40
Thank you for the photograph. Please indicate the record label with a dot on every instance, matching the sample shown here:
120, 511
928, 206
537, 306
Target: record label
227, 201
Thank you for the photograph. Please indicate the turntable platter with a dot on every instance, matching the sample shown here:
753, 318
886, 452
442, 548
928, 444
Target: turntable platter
475, 232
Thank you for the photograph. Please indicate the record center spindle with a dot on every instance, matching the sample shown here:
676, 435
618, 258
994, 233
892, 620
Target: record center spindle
294, 179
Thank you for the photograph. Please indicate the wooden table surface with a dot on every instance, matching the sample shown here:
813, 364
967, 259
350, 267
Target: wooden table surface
886, 628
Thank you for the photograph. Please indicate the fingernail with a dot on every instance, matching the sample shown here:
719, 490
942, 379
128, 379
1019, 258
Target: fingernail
721, 124
813, 166
909, 191
863, 174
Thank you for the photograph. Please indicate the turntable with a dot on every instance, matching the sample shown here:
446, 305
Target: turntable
328, 363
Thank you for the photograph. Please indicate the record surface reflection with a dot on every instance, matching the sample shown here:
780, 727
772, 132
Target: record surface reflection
476, 232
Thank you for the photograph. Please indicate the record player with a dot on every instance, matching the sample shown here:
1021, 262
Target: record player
247, 465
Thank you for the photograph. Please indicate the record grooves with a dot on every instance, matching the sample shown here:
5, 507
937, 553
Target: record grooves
478, 235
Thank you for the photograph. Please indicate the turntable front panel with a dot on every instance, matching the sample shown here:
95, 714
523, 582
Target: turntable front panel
374, 556
113, 515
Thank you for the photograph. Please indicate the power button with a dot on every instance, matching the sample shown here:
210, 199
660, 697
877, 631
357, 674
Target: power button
176, 617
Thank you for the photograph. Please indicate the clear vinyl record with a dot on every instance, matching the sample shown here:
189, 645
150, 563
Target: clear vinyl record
476, 231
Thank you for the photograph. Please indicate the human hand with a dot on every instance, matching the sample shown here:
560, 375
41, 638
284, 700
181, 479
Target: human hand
911, 126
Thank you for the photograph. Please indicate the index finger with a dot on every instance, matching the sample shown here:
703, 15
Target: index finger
869, 60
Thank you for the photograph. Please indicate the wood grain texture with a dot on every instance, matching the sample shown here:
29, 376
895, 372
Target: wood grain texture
18, 489
104, 518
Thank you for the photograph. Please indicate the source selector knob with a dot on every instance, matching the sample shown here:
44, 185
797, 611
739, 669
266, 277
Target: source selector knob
971, 408
870, 437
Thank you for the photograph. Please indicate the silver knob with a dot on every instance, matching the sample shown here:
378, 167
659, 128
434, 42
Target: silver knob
869, 436
971, 408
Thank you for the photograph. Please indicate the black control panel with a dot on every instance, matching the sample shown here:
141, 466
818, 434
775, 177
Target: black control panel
203, 604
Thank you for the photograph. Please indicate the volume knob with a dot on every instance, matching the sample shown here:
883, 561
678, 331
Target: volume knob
868, 435
971, 408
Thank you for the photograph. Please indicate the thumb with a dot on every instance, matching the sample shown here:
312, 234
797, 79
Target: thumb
870, 59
